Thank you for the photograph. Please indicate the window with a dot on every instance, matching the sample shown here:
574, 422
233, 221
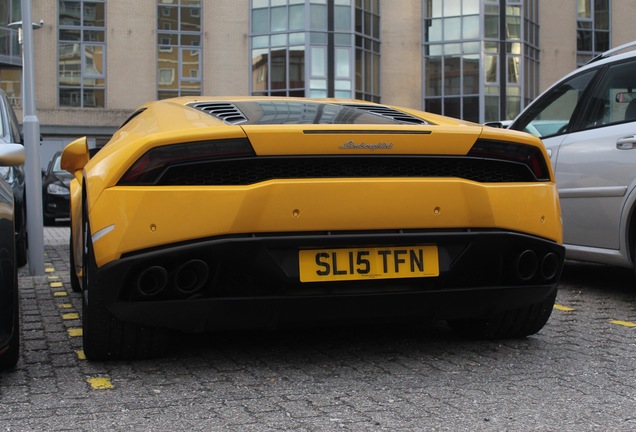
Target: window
306, 48
278, 47
614, 100
81, 53
367, 50
593, 29
179, 52
552, 115
166, 76
480, 59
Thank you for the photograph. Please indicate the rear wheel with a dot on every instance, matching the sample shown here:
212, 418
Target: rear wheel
75, 283
12, 355
104, 336
516, 323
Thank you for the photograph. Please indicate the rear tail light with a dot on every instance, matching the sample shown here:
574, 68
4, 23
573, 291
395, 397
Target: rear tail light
148, 168
525, 154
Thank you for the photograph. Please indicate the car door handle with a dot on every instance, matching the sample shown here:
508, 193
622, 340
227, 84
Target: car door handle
626, 143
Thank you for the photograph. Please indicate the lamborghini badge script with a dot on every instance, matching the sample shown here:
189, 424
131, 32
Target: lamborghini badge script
350, 145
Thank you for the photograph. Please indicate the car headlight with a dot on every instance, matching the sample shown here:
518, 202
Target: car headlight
57, 189
7, 174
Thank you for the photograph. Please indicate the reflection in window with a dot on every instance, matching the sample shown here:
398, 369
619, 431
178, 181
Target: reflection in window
178, 48
553, 115
470, 74
433, 77
613, 99
81, 53
593, 29
367, 54
469, 71
288, 35
513, 70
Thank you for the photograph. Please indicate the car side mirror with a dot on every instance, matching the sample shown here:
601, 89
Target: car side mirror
12, 154
75, 156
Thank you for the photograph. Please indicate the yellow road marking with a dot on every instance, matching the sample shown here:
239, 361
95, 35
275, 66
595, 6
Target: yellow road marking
70, 316
49, 270
53, 277
56, 284
563, 308
65, 306
75, 332
100, 383
623, 323
80, 354
60, 294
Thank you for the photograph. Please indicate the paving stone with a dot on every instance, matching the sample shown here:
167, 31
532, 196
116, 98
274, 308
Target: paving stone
575, 375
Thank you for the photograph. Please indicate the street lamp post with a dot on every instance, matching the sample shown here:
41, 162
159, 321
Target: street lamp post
31, 131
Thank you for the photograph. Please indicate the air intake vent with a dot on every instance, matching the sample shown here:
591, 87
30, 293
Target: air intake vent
387, 112
224, 111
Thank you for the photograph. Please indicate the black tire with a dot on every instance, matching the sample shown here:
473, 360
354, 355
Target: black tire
21, 240
104, 336
10, 358
48, 221
516, 323
75, 283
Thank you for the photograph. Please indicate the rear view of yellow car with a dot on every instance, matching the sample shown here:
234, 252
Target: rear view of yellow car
205, 214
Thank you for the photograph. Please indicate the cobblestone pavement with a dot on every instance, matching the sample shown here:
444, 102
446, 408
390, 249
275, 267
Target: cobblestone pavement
575, 375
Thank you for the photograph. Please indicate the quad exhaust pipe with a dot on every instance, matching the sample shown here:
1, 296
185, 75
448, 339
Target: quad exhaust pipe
152, 281
187, 278
549, 266
528, 264
191, 276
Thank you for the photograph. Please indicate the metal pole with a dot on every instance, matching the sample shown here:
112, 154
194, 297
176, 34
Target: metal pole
31, 129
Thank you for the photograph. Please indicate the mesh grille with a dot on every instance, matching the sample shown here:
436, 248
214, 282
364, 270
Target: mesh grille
282, 112
254, 170
224, 111
385, 111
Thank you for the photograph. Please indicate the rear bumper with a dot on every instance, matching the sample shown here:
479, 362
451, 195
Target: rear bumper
254, 281
250, 313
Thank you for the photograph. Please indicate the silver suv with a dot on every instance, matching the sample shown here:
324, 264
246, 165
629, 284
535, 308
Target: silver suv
587, 121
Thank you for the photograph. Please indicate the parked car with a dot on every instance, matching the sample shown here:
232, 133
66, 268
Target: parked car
55, 191
14, 175
587, 121
10, 155
211, 213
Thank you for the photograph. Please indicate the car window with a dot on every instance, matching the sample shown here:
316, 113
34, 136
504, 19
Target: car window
614, 99
13, 127
2, 125
552, 113
57, 164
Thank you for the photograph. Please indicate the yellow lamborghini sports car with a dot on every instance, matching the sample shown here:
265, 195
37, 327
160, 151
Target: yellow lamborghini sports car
204, 214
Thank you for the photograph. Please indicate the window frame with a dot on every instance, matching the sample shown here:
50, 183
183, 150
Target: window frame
86, 91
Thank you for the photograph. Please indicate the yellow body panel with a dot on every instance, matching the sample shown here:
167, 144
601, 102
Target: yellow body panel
143, 217
130, 218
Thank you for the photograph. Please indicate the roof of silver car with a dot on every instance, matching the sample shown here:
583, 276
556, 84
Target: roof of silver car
613, 51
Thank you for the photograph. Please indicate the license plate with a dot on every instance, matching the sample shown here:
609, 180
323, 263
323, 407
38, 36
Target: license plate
368, 263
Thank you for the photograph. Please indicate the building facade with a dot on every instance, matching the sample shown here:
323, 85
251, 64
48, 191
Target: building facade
480, 60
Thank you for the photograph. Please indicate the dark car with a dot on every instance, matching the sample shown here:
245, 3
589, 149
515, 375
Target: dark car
55, 191
14, 176
10, 155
